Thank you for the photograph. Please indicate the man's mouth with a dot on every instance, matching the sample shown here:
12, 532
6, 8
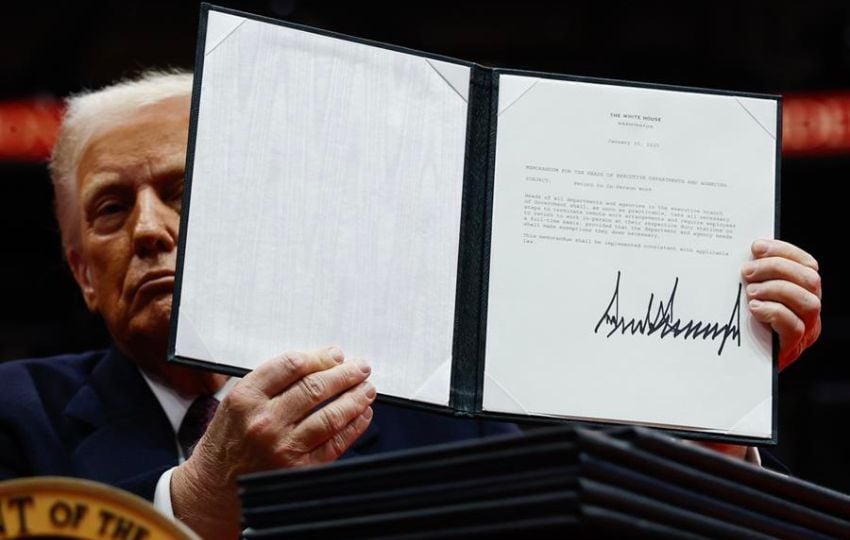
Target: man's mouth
156, 282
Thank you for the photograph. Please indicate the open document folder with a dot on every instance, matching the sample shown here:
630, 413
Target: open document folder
494, 242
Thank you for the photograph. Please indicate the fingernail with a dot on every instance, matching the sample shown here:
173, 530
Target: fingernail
363, 365
752, 289
759, 247
755, 304
336, 354
370, 390
748, 269
367, 414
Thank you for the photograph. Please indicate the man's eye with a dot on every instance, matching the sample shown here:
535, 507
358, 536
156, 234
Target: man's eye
110, 208
175, 197
176, 192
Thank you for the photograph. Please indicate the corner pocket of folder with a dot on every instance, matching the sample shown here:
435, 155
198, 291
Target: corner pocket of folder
762, 112
757, 422
456, 76
220, 26
497, 398
435, 389
189, 343
509, 95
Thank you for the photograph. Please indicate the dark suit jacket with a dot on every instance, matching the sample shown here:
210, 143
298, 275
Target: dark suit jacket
93, 416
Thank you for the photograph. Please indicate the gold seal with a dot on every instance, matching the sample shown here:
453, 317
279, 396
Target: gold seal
62, 508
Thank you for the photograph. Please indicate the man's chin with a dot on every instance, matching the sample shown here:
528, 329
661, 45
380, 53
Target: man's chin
149, 328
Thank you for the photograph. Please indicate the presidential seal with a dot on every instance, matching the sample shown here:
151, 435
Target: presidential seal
63, 508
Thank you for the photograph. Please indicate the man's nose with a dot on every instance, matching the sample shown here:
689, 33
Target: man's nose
155, 227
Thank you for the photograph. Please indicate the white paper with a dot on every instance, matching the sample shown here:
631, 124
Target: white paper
325, 205
592, 180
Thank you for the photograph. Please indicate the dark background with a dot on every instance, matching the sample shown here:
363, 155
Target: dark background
777, 47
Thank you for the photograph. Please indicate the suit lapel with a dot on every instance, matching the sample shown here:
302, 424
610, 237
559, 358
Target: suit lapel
123, 430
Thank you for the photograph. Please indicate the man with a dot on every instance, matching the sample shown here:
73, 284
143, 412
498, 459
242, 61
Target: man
112, 416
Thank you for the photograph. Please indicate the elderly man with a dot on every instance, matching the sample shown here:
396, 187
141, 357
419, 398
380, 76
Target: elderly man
118, 416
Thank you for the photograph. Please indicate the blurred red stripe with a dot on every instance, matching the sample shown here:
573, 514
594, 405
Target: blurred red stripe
816, 124
812, 124
28, 128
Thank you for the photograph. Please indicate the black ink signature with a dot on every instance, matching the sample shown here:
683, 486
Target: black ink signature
665, 323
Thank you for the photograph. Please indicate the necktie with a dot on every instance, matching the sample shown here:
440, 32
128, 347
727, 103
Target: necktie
195, 422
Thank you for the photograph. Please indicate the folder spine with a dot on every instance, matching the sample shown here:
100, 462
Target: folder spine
468, 346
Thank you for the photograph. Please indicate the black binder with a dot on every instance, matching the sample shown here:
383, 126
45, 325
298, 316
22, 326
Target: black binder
623, 481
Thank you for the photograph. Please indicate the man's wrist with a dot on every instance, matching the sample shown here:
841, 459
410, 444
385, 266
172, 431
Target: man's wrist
753, 456
211, 512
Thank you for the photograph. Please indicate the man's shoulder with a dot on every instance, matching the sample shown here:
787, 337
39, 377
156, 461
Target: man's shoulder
61, 365
55, 375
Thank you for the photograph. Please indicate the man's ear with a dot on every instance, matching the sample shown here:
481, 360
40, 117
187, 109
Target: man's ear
82, 274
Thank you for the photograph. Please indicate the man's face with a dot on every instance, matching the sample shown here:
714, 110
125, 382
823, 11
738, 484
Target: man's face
130, 187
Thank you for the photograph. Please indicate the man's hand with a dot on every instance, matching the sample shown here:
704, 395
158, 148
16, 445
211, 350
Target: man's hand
296, 409
784, 291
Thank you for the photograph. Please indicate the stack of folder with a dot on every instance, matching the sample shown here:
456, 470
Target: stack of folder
621, 482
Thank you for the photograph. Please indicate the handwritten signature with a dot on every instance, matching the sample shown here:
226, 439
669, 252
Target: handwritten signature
664, 322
